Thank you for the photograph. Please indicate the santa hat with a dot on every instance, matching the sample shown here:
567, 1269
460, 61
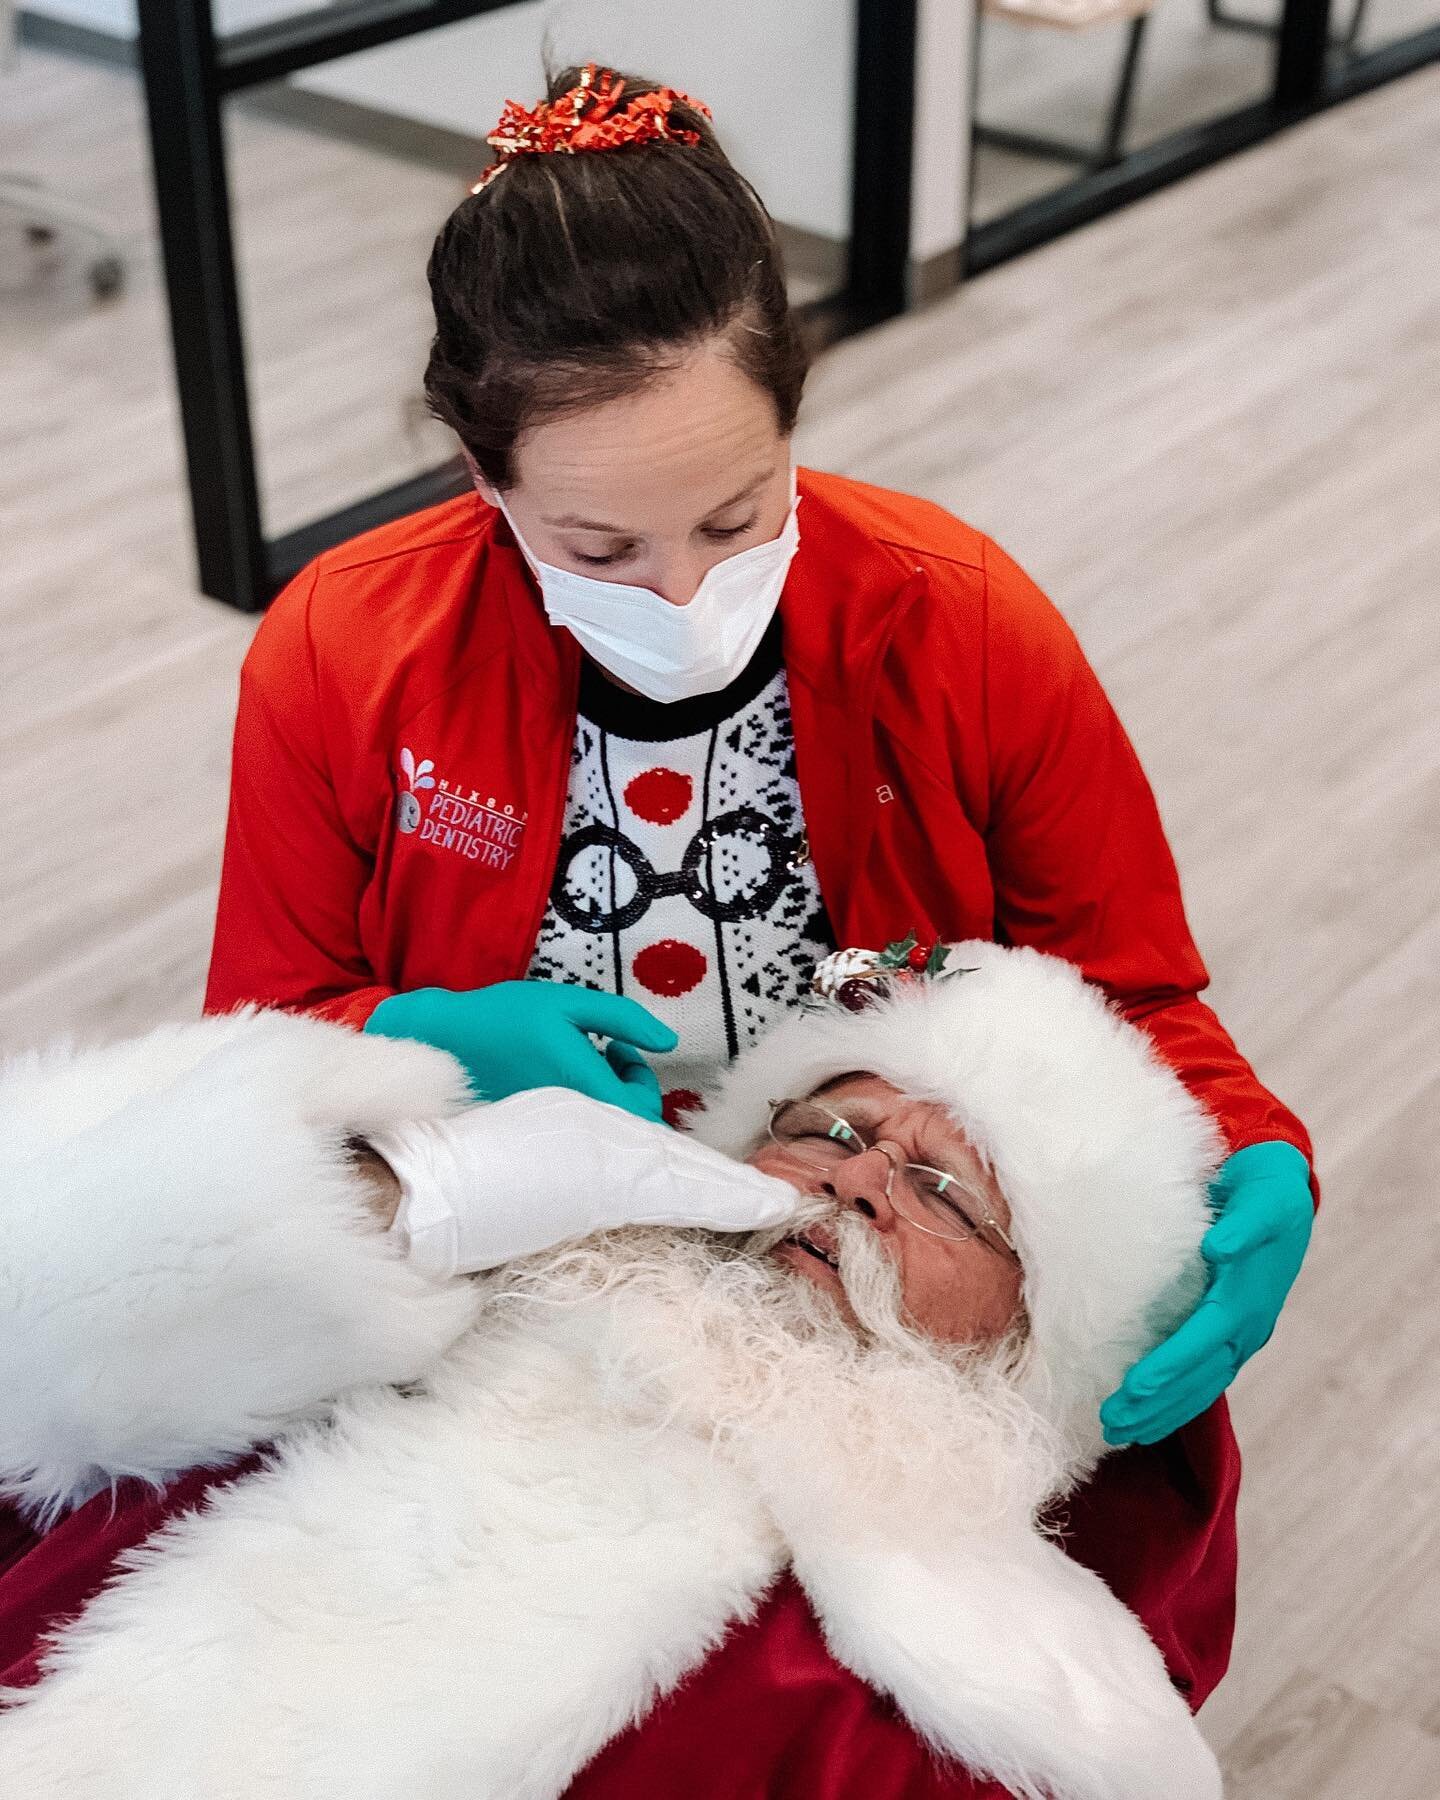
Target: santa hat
1103, 1155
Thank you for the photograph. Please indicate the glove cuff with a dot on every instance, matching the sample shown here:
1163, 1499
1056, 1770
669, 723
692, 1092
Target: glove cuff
1270, 1156
425, 1224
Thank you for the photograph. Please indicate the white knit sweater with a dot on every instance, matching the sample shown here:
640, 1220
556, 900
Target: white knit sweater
684, 877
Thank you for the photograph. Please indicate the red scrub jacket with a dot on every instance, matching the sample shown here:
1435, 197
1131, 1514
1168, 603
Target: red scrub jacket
962, 775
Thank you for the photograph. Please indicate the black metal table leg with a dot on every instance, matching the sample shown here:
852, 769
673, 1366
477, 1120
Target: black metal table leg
189, 74
182, 92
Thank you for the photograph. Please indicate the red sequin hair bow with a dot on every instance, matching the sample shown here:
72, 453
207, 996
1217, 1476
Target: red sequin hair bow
588, 117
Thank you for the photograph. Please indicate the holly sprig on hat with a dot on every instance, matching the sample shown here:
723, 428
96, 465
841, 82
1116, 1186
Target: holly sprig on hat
913, 957
853, 978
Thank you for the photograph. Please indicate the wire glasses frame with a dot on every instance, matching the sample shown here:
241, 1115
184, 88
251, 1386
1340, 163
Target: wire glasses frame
932, 1187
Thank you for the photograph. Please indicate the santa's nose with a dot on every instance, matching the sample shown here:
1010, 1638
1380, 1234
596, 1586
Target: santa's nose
864, 1182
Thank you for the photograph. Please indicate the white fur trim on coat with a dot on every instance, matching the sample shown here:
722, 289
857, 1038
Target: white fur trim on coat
461, 1591
460, 1594
1102, 1152
464, 1593
185, 1267
995, 1648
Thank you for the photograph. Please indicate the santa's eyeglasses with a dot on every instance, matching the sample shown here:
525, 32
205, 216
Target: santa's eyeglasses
941, 1204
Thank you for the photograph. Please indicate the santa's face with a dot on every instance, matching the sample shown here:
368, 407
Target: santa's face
956, 1289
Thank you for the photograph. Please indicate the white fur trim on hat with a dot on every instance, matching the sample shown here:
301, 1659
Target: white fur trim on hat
1101, 1151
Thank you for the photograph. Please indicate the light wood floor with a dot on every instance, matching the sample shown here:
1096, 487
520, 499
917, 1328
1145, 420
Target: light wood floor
1210, 425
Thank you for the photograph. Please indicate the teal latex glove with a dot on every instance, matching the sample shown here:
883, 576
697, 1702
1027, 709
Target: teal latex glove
527, 1034
1264, 1213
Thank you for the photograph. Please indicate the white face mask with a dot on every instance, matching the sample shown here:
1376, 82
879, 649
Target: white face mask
673, 652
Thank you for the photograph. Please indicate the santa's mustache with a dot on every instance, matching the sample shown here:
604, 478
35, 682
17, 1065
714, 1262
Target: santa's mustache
843, 1238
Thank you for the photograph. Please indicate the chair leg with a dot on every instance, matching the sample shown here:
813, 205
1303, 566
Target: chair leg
1349, 38
42, 215
1228, 21
1111, 147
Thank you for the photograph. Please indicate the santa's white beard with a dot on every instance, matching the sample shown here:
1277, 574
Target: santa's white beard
869, 1421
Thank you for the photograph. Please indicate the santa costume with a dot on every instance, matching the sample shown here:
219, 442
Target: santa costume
500, 1527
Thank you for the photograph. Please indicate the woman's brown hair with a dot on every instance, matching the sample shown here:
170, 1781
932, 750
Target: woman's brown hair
569, 280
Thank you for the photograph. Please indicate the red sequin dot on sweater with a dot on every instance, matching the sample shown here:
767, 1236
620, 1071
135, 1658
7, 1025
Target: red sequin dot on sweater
669, 967
676, 1103
659, 796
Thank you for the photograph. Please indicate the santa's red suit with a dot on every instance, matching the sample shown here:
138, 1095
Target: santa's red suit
497, 1527
962, 774
770, 1712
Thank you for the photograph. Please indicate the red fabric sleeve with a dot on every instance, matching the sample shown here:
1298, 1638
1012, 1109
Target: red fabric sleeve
286, 928
1079, 857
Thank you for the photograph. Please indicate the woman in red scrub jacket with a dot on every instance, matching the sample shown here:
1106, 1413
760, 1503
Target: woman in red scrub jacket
619, 744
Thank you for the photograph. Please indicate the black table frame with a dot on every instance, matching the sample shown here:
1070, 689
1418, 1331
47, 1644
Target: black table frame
189, 74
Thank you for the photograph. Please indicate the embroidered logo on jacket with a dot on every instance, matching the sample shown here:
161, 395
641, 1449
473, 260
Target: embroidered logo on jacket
479, 830
407, 807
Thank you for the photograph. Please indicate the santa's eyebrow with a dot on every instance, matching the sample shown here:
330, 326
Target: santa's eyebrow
864, 1113
835, 1081
934, 1144
867, 1116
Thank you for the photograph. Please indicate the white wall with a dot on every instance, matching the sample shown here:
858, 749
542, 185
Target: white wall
940, 196
115, 17
118, 17
778, 74
737, 55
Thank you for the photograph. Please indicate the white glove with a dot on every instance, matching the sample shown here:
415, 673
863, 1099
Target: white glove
532, 1170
